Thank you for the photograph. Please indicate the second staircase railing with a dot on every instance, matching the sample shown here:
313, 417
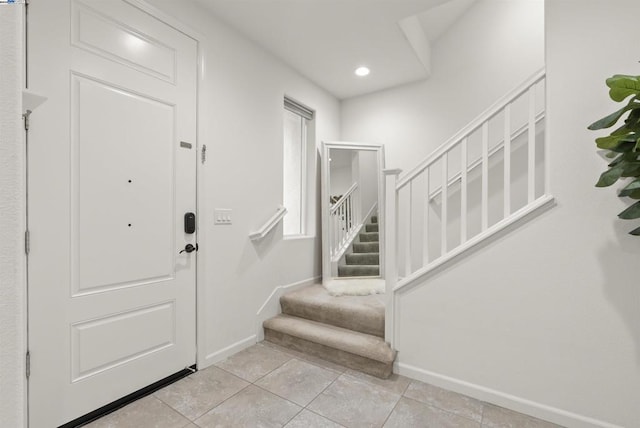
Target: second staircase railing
345, 220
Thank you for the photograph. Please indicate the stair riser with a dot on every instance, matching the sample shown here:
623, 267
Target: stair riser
369, 322
369, 237
362, 259
366, 247
374, 219
358, 270
371, 227
352, 361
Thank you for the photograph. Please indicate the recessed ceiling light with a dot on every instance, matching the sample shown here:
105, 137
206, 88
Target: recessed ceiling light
362, 71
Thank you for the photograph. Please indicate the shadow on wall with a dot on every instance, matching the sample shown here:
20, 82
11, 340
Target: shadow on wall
616, 290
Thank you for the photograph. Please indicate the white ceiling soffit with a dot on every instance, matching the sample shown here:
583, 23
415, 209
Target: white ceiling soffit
326, 40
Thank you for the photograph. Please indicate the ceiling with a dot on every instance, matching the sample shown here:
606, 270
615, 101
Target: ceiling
326, 40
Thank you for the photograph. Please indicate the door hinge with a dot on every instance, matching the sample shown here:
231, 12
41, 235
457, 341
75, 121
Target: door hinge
27, 242
25, 116
204, 153
28, 364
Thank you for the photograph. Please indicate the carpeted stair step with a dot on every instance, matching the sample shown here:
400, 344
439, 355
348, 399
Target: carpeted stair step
362, 258
364, 314
374, 219
369, 237
359, 351
366, 247
371, 227
358, 270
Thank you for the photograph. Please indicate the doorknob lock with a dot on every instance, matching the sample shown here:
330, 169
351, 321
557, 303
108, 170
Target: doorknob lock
189, 249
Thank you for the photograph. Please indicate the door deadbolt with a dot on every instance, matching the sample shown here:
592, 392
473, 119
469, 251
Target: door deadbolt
189, 223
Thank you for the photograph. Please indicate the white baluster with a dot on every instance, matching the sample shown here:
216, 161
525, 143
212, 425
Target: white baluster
444, 194
485, 176
531, 193
506, 151
463, 190
408, 225
425, 231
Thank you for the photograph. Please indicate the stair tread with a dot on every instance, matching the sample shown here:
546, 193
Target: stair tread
359, 313
361, 344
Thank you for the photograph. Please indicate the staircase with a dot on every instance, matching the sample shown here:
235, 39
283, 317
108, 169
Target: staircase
347, 330
364, 260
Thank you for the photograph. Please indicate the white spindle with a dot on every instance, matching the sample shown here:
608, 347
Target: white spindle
485, 176
408, 224
425, 230
444, 202
336, 232
506, 151
463, 190
531, 193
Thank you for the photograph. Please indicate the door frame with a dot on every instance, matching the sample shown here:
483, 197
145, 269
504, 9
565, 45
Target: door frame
200, 300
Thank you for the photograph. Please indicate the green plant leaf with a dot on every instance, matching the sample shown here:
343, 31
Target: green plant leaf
610, 176
631, 212
621, 86
634, 195
610, 120
612, 141
623, 147
629, 169
635, 232
608, 142
617, 160
634, 185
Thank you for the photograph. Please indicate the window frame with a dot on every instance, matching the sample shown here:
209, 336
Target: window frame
306, 116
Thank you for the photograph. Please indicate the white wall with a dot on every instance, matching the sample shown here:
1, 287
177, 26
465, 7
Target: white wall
495, 46
241, 105
340, 171
547, 319
368, 177
12, 220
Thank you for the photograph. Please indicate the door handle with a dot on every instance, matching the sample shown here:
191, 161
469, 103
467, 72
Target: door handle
189, 249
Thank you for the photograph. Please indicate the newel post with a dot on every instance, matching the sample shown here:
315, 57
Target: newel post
390, 251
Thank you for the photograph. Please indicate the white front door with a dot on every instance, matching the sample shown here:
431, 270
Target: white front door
112, 171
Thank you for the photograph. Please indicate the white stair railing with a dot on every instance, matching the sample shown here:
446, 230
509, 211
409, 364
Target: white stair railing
488, 176
345, 220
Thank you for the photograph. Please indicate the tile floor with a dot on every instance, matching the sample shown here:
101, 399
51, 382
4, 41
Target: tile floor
270, 386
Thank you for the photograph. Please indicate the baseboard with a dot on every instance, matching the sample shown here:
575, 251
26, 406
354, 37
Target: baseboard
223, 353
535, 409
271, 307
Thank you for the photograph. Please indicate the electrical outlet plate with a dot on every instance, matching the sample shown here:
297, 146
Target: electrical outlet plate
222, 216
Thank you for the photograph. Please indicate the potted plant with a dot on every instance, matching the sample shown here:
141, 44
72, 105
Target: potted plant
623, 144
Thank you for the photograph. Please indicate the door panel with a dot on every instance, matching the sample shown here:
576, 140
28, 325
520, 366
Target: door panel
140, 332
123, 193
111, 299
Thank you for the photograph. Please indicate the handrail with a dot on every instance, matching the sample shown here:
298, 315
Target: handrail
471, 127
270, 224
343, 198
492, 151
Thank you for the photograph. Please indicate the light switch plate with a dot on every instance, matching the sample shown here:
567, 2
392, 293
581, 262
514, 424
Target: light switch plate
222, 216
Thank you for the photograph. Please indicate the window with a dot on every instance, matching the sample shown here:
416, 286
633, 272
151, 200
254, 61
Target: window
295, 170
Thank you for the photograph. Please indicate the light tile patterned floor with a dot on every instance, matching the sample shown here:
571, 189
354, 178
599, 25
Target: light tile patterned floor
270, 386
